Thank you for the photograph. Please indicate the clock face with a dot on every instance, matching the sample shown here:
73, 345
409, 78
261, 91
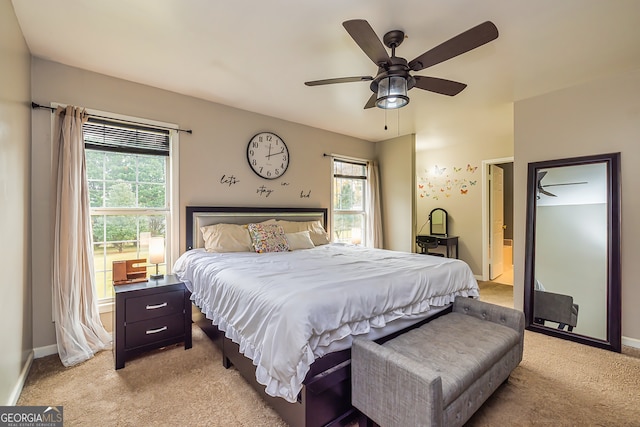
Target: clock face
268, 155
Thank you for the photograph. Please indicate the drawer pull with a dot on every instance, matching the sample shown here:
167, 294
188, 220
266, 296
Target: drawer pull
153, 307
155, 331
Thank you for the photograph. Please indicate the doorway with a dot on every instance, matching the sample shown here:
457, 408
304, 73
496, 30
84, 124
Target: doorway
497, 220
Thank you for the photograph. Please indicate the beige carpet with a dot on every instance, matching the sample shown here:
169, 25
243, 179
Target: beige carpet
559, 383
496, 293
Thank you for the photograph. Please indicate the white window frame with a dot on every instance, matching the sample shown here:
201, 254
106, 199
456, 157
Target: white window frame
365, 220
172, 242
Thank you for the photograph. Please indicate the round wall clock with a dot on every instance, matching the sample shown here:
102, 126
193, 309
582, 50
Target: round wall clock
268, 155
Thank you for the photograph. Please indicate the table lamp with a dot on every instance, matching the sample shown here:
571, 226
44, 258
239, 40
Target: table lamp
156, 254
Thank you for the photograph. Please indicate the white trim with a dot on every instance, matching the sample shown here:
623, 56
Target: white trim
631, 342
107, 305
48, 350
485, 211
17, 389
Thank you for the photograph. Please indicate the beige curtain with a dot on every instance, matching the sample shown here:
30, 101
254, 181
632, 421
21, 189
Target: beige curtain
374, 227
79, 332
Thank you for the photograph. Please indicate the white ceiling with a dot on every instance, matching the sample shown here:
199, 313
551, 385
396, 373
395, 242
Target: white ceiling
255, 54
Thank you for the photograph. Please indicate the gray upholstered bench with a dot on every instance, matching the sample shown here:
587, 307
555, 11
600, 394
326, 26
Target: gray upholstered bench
440, 373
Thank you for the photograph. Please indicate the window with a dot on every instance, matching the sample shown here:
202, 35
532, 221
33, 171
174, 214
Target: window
349, 216
128, 177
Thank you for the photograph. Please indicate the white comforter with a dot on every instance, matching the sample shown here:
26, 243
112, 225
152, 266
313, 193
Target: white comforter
285, 309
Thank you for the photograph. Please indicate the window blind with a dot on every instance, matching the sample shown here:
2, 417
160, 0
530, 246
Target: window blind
125, 138
349, 169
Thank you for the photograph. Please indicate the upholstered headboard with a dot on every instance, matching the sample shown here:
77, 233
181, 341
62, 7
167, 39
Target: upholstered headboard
200, 216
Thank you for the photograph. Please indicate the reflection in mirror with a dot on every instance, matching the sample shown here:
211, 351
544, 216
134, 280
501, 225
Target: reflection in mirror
438, 219
572, 277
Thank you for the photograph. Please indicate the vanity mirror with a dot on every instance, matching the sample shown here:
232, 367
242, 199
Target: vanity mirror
572, 250
438, 219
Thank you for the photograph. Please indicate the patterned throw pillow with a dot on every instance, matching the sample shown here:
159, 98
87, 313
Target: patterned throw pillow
268, 238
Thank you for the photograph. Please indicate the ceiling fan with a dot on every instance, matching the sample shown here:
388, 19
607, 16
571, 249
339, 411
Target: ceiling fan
541, 188
394, 78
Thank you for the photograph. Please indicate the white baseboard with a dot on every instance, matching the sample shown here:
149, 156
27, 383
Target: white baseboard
48, 350
631, 342
15, 393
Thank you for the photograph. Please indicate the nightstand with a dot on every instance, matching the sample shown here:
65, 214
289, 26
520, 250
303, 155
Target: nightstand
150, 315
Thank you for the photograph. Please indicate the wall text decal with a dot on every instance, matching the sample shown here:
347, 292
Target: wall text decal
229, 180
264, 191
306, 195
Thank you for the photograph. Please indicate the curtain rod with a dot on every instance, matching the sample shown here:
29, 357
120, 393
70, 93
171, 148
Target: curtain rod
189, 131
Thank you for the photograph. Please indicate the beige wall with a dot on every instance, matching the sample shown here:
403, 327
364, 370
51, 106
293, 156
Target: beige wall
15, 260
451, 177
397, 177
216, 148
602, 116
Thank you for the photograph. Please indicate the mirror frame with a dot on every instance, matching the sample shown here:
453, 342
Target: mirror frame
446, 223
614, 302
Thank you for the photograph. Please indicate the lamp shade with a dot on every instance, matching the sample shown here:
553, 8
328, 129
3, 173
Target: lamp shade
156, 250
392, 93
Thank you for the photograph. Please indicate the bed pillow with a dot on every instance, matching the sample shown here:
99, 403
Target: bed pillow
299, 240
316, 231
268, 238
226, 238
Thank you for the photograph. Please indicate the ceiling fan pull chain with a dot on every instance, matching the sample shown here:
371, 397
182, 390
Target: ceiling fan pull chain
385, 119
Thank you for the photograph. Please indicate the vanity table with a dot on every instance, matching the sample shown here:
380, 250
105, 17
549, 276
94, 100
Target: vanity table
426, 242
438, 235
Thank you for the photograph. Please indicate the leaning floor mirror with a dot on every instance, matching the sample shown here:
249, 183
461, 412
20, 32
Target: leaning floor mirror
572, 265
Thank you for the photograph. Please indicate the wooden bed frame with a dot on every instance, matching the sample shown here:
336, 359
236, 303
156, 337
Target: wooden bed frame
325, 398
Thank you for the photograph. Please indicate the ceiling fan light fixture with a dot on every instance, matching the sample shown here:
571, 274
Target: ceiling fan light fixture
392, 93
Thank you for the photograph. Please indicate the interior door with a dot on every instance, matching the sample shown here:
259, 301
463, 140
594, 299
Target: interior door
496, 221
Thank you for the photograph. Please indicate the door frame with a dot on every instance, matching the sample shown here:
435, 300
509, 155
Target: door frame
485, 211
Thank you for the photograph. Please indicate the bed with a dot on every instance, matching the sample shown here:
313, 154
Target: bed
286, 318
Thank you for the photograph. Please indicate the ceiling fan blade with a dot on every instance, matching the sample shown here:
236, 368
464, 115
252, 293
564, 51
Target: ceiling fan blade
339, 80
362, 33
463, 42
546, 193
565, 183
541, 190
441, 86
371, 102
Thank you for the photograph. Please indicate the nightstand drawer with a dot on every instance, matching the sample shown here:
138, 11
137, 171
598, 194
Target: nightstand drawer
151, 306
153, 330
